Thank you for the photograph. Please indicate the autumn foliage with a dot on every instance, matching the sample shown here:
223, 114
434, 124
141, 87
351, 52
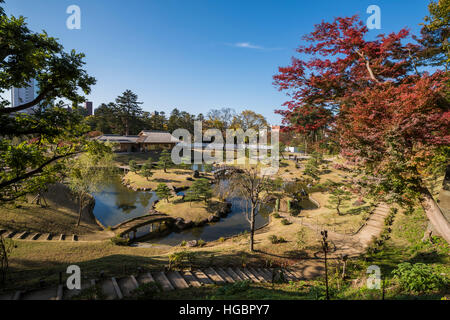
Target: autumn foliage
385, 113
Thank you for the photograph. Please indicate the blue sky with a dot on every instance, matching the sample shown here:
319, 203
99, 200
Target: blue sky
198, 54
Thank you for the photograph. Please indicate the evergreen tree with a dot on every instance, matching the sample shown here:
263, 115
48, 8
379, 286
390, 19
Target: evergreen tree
146, 170
338, 199
163, 191
165, 160
127, 109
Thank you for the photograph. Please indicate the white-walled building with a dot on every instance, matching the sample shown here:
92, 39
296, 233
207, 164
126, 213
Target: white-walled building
19, 96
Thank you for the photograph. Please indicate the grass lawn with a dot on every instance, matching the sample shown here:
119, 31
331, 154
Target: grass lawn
349, 221
174, 177
60, 216
34, 261
194, 211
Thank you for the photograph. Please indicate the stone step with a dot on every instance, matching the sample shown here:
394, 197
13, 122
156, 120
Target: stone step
228, 278
40, 294
119, 293
375, 223
286, 276
252, 276
191, 279
21, 235
241, 274
145, 278
298, 275
234, 275
69, 294
257, 274
108, 290
370, 228
177, 280
266, 277
35, 236
60, 292
202, 277
377, 217
213, 275
267, 272
161, 278
127, 285
291, 276
9, 234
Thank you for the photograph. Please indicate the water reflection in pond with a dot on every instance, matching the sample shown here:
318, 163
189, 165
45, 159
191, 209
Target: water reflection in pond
233, 224
116, 204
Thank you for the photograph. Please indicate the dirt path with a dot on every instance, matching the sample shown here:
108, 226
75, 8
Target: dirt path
346, 244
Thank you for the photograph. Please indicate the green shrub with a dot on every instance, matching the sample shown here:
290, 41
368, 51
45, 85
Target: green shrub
119, 241
301, 238
180, 259
274, 239
276, 215
221, 239
233, 288
201, 243
285, 222
419, 277
146, 291
183, 243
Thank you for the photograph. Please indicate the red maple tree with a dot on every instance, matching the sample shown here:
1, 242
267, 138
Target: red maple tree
389, 118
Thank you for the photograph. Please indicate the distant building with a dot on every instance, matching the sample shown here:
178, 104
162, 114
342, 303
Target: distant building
89, 108
147, 140
20, 96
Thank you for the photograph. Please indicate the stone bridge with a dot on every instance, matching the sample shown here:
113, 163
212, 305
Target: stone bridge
150, 219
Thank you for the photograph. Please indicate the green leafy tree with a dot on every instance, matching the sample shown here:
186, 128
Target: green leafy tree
163, 191
435, 34
338, 198
86, 175
165, 160
35, 145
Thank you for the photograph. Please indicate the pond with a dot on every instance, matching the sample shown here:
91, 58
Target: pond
116, 204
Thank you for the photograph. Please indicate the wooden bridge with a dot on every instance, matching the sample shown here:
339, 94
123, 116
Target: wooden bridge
150, 219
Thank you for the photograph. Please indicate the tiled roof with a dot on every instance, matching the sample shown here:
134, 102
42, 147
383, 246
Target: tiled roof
157, 137
143, 137
118, 138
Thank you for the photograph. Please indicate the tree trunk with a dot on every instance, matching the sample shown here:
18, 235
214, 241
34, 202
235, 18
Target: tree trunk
252, 228
80, 211
435, 215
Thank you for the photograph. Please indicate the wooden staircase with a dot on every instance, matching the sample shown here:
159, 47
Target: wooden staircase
118, 288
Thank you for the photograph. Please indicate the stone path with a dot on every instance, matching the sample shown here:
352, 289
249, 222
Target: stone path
354, 244
118, 288
34, 236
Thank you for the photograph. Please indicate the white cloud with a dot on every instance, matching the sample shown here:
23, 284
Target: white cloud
248, 45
